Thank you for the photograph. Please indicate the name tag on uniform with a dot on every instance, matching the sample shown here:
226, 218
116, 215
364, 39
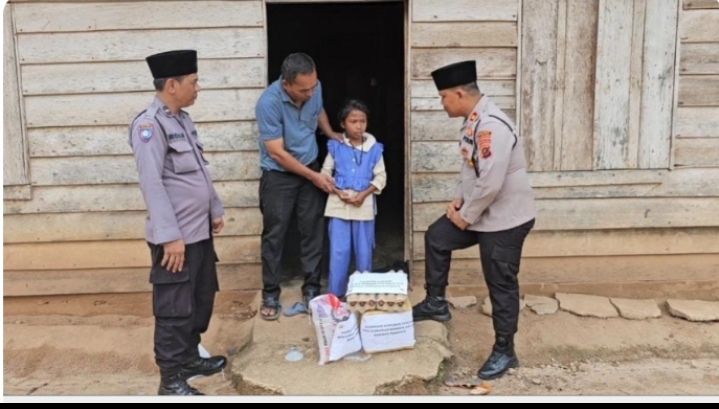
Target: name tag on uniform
175, 136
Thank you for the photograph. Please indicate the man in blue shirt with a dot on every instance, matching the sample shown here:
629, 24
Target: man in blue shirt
288, 114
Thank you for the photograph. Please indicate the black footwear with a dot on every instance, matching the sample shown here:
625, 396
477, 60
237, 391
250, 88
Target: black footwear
432, 308
203, 366
173, 383
500, 361
308, 296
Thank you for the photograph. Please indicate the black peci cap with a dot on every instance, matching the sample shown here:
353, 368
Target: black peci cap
456, 74
173, 63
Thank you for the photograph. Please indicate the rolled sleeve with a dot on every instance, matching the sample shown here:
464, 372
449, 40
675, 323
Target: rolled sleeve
493, 170
150, 160
320, 99
269, 119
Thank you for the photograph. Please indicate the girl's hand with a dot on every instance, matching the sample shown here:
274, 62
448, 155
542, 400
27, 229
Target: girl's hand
358, 200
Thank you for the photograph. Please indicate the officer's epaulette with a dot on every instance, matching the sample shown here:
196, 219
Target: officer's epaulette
489, 118
137, 116
147, 113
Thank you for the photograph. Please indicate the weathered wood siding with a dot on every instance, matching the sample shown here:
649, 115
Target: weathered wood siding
82, 78
617, 101
16, 183
619, 132
697, 132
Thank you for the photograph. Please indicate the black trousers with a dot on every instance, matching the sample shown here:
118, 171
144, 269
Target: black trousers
182, 302
500, 254
282, 196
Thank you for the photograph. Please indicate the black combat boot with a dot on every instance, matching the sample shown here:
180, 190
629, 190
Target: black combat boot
501, 360
199, 366
434, 307
172, 383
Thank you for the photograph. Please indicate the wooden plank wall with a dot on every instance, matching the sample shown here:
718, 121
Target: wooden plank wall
15, 161
697, 132
557, 83
612, 209
623, 217
83, 79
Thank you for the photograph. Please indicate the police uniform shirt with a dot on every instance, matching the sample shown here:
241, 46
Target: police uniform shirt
174, 180
501, 197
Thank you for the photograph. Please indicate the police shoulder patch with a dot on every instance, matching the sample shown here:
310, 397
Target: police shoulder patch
145, 131
485, 143
484, 137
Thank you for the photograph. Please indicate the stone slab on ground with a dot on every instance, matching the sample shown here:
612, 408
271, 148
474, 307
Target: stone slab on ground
262, 368
587, 305
487, 306
636, 309
461, 303
695, 311
541, 305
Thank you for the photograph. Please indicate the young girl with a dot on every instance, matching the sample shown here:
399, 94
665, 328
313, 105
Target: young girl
359, 173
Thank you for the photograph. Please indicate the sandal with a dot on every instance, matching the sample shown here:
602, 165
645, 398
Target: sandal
297, 308
273, 304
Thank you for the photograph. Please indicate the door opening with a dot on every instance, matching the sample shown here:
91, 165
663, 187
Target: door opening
358, 49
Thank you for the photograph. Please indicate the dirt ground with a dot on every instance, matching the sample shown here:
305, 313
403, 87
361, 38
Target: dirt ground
101, 345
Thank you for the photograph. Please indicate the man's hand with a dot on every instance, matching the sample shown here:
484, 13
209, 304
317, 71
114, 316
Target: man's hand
456, 219
217, 225
326, 128
323, 181
336, 136
174, 257
454, 205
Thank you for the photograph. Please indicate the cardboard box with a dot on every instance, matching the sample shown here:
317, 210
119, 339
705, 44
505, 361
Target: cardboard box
377, 291
382, 331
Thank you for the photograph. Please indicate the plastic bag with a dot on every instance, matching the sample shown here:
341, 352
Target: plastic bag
336, 328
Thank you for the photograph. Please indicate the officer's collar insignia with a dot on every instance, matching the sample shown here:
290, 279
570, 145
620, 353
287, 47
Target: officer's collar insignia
473, 117
145, 131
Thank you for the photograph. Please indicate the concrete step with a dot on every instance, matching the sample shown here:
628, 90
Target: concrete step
261, 368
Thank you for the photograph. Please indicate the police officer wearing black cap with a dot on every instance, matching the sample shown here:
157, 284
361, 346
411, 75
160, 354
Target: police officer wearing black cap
493, 206
184, 211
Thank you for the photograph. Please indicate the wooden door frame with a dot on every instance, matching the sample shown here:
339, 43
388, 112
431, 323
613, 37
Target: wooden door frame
408, 245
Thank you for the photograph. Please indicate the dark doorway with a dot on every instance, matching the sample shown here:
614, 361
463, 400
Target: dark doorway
359, 52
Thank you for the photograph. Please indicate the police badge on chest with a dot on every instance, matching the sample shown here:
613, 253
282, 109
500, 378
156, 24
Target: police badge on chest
466, 146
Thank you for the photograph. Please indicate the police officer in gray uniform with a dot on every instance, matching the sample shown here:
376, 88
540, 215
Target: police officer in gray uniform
184, 211
493, 206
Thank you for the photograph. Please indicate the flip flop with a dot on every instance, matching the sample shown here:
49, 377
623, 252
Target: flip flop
273, 304
296, 309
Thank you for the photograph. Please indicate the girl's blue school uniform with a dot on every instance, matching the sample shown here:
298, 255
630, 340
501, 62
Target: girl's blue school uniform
353, 170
